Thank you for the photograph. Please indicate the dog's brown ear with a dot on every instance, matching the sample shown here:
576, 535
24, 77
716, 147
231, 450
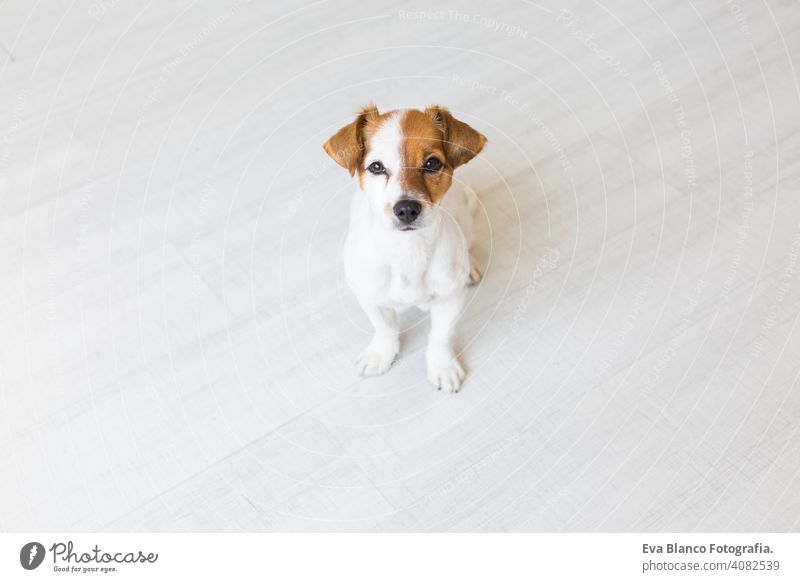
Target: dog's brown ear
461, 142
346, 146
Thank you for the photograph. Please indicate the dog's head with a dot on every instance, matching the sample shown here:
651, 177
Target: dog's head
404, 159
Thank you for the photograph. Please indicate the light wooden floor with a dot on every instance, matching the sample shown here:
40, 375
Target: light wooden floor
177, 339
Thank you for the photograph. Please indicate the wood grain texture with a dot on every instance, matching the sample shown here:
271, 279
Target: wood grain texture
178, 340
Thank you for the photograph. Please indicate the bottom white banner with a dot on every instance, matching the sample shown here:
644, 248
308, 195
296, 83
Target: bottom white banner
389, 557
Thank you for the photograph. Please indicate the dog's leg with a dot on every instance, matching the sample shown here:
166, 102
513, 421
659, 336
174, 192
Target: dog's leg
382, 350
475, 273
444, 371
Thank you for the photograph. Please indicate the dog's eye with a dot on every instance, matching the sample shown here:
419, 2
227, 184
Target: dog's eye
376, 168
433, 165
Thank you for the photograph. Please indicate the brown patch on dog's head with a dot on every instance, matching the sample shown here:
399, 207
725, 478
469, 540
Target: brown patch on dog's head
434, 137
422, 141
346, 146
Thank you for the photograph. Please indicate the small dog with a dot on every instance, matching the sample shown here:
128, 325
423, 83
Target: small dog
408, 243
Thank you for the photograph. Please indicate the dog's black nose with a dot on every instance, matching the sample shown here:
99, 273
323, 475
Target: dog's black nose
407, 210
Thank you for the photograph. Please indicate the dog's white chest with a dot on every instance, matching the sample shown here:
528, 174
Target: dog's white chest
408, 283
404, 272
398, 276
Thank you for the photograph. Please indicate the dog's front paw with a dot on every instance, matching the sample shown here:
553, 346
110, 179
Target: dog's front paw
445, 372
376, 359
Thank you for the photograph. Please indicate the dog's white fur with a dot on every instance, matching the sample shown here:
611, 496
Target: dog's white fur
390, 269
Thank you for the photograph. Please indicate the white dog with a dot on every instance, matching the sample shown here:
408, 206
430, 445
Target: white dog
408, 243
